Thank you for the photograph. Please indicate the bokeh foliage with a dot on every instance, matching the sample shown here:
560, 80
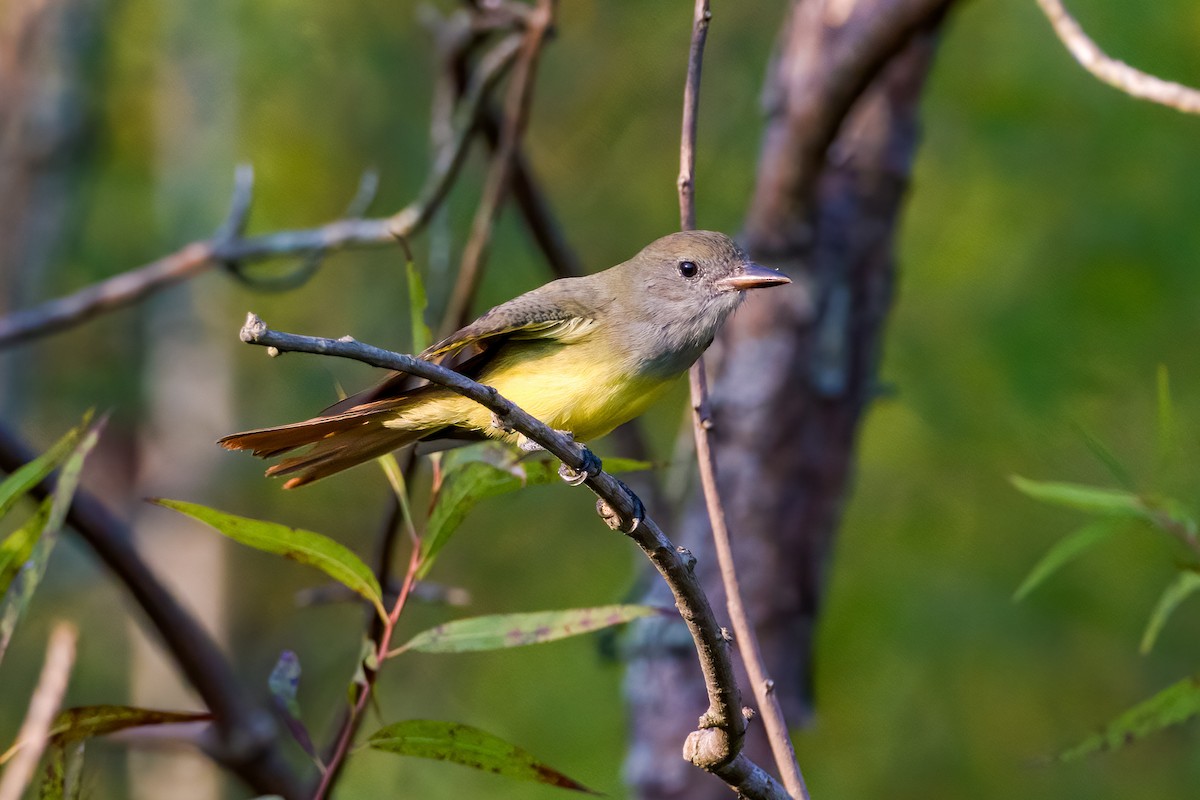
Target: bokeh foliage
1048, 264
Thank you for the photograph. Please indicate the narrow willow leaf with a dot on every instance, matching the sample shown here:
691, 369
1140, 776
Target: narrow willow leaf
1067, 549
18, 484
1176, 592
498, 631
86, 722
284, 685
471, 747
284, 682
1110, 502
461, 489
18, 546
37, 545
418, 301
467, 482
1173, 705
334, 559
54, 774
1101, 451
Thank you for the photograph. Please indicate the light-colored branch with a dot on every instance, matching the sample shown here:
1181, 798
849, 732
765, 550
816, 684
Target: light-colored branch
691, 105
747, 642
228, 247
716, 744
516, 115
1117, 74
43, 707
761, 684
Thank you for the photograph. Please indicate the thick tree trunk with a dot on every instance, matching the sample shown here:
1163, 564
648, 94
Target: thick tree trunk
794, 370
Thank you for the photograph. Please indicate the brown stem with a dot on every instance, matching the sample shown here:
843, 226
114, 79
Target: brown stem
229, 247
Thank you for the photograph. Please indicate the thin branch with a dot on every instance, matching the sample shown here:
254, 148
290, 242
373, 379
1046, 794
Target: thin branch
691, 105
773, 721
516, 115
716, 745
187, 262
43, 707
247, 741
1117, 74
761, 684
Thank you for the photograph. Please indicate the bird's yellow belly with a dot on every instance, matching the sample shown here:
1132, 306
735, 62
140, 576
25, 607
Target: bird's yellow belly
577, 388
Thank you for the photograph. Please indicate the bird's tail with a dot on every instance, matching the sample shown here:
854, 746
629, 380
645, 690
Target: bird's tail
339, 441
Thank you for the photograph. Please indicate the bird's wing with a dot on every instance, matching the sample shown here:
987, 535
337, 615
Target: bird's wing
552, 312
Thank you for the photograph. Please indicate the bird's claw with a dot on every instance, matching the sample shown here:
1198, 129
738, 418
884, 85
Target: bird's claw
571, 477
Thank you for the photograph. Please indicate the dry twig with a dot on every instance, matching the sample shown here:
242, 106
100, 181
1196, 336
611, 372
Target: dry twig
1117, 74
229, 247
773, 720
43, 706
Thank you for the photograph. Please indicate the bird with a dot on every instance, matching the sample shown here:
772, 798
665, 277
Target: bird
581, 354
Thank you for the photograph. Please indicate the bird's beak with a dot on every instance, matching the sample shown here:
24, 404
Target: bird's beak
753, 276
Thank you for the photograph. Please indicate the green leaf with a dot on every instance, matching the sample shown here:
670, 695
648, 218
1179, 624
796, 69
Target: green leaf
1067, 549
36, 539
1173, 705
18, 484
1101, 451
467, 482
418, 301
461, 489
334, 559
498, 631
86, 722
18, 546
1109, 502
1176, 592
471, 747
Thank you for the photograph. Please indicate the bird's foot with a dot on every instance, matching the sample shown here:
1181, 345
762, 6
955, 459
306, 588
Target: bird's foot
590, 467
613, 520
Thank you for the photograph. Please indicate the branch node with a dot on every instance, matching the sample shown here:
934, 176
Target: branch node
274, 352
689, 559
769, 686
347, 338
252, 329
707, 748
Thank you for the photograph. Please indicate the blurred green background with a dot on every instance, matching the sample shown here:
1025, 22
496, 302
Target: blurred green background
1050, 260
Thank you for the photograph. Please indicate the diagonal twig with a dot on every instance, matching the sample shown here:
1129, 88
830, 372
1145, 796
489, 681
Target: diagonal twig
715, 745
43, 706
1117, 74
516, 115
192, 259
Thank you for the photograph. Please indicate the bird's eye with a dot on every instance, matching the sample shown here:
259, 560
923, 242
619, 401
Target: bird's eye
688, 269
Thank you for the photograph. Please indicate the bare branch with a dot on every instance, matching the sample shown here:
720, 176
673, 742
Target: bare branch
247, 743
747, 640
516, 115
43, 707
717, 743
774, 723
192, 259
691, 104
1117, 74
